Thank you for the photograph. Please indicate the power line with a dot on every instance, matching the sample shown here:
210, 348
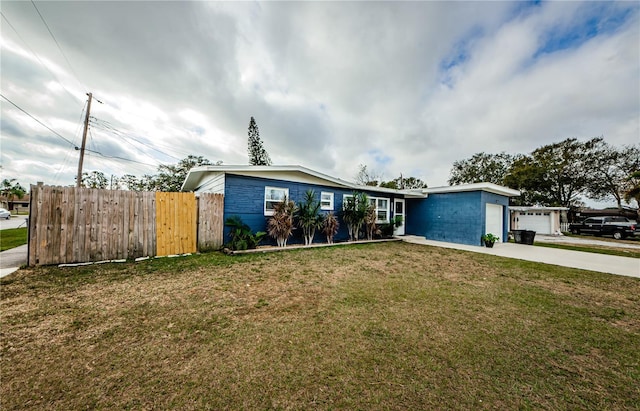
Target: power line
140, 150
71, 143
128, 132
120, 158
105, 125
92, 141
182, 130
36, 56
39, 122
58, 44
67, 156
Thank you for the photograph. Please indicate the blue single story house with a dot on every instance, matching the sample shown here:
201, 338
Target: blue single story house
457, 214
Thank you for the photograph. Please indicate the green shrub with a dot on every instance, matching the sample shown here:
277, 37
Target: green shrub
241, 236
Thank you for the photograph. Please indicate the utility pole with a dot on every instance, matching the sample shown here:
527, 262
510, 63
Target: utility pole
84, 142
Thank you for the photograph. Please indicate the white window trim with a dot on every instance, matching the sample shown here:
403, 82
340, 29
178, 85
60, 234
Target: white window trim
387, 209
266, 190
326, 207
344, 199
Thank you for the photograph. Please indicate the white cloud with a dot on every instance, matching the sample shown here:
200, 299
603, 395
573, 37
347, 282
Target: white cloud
403, 87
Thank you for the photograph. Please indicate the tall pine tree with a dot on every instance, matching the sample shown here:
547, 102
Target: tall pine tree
258, 156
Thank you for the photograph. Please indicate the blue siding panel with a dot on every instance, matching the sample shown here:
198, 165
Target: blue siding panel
415, 216
244, 197
453, 217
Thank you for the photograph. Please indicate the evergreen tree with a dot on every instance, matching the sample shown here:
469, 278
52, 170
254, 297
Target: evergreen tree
258, 156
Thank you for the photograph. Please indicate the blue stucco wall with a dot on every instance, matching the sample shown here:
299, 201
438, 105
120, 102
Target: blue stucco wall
453, 217
244, 197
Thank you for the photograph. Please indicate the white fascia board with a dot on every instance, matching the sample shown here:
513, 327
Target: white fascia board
488, 187
286, 172
272, 172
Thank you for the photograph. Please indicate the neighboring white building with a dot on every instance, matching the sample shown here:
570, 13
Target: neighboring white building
542, 220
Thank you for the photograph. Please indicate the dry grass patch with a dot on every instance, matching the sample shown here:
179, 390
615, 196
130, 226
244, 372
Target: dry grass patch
380, 326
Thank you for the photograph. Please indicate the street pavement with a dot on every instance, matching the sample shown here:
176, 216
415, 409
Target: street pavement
14, 222
11, 260
565, 258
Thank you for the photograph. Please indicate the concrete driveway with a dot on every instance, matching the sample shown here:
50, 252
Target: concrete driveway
586, 241
565, 258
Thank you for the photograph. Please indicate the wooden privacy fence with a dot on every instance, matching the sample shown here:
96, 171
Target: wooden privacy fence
210, 221
73, 225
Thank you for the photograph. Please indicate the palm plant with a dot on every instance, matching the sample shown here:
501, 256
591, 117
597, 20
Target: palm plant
330, 226
280, 225
348, 213
354, 212
370, 221
309, 217
362, 208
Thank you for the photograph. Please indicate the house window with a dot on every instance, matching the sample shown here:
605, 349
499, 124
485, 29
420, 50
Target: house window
273, 195
382, 209
381, 206
326, 201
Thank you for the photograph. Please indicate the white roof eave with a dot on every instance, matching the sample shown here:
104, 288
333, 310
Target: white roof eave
194, 177
488, 187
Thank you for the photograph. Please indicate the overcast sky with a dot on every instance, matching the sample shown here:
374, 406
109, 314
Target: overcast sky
401, 87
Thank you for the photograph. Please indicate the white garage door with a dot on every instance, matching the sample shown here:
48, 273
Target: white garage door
539, 222
494, 221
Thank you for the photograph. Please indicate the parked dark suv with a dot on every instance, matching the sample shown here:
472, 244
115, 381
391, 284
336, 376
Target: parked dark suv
618, 227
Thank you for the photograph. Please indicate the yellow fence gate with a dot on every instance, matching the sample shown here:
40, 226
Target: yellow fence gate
176, 218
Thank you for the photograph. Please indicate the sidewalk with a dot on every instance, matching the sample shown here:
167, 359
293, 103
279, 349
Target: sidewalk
566, 258
12, 259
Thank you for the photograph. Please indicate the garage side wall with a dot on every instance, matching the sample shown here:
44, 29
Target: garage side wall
454, 217
450, 217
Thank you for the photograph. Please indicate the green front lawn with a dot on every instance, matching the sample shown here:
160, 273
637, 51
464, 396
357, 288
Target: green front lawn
12, 237
377, 326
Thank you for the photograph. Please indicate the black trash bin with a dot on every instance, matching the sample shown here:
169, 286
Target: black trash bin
528, 236
517, 236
